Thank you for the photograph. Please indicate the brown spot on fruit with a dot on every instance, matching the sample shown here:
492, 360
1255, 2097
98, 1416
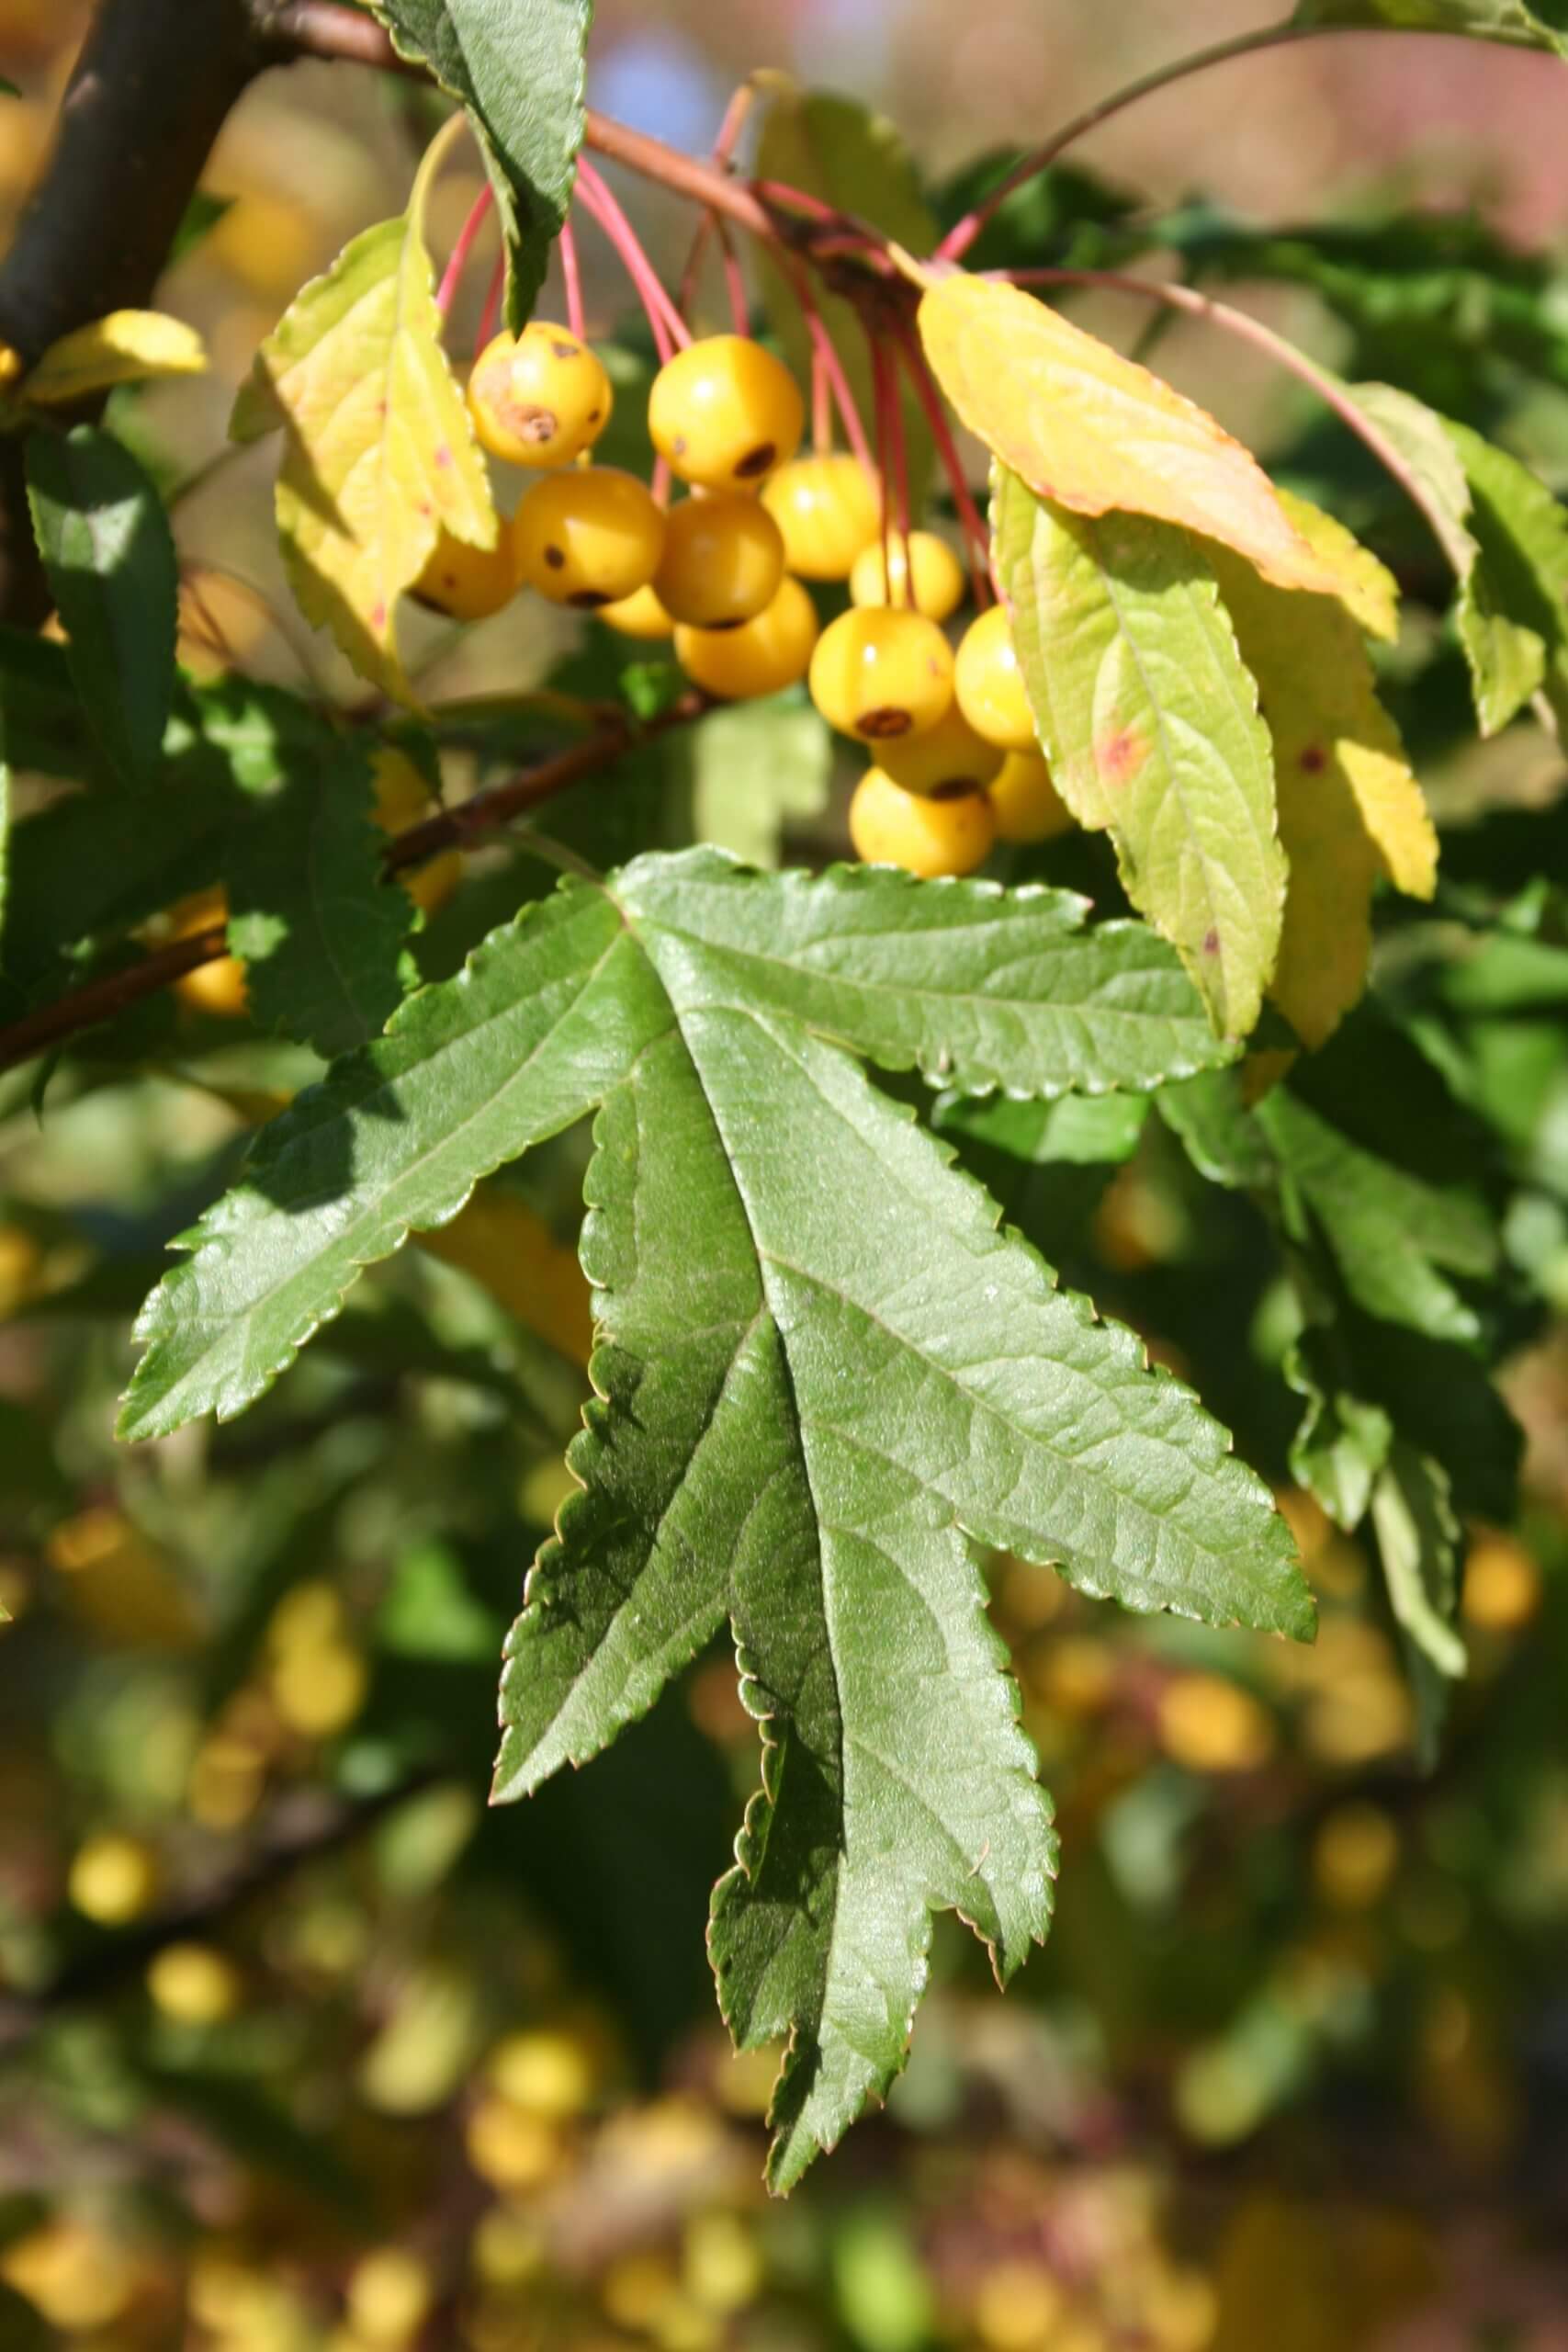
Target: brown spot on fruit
593, 415
678, 446
536, 425
879, 725
1120, 756
587, 600
1314, 760
563, 350
756, 461
556, 558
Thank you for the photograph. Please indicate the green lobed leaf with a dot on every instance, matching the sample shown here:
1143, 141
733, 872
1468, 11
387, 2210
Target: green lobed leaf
1506, 656
1522, 532
1150, 721
109, 555
518, 67
318, 929
543, 1017
976, 987
1505, 20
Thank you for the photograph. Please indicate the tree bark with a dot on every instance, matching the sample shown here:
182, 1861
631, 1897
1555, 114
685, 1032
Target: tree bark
149, 93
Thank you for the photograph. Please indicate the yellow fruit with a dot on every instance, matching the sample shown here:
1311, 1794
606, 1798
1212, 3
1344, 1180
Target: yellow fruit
724, 412
194, 1984
762, 657
880, 674
546, 2074
989, 684
388, 2296
469, 582
927, 836
827, 509
926, 575
217, 987
949, 756
510, 2148
540, 399
1355, 1854
402, 801
318, 1692
589, 537
1502, 1585
723, 560
77, 2279
1211, 1725
638, 614
112, 1879
1028, 806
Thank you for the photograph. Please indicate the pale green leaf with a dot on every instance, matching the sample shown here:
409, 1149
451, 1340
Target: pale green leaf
123, 349
518, 66
1149, 719
1343, 1442
378, 452
1420, 1543
757, 767
1505, 20
109, 555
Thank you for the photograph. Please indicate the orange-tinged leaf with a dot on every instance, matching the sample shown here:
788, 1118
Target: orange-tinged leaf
1093, 431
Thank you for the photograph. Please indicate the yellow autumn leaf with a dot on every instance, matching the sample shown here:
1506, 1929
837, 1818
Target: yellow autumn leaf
500, 1240
1093, 431
123, 349
378, 452
1348, 805
1367, 588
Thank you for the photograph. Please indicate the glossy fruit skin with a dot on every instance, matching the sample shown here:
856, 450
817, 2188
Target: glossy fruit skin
724, 556
639, 615
588, 537
762, 657
927, 575
929, 837
217, 987
403, 800
947, 757
469, 583
539, 399
1027, 804
989, 684
827, 509
724, 413
880, 673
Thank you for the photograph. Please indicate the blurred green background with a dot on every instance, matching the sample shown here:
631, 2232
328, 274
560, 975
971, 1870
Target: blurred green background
299, 2045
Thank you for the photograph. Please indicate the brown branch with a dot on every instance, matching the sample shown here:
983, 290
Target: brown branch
99, 1001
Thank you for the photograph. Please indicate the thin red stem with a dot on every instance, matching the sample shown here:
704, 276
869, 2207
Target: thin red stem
976, 534
572, 279
734, 282
824, 353
794, 199
821, 406
602, 202
491, 309
884, 461
478, 213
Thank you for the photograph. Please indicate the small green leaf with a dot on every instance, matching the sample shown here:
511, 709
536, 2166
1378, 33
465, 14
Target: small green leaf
1504, 20
1150, 721
1522, 532
109, 555
834, 148
1507, 657
1420, 1542
518, 66
1343, 1442
318, 929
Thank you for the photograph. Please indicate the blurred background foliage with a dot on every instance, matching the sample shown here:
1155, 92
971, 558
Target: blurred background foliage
301, 2047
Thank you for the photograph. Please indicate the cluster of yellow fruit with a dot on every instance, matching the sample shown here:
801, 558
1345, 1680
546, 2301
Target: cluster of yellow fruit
720, 574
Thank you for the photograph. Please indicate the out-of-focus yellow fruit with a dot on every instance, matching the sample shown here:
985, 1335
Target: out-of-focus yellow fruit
466, 582
403, 800
21, 1263
1028, 806
925, 572
511, 2149
506, 1246
506, 2250
639, 615
309, 1615
217, 987
549, 2074
1074, 1673
226, 1776
1355, 1855
1016, 2306
722, 2264
388, 2295
1210, 1726
744, 2083
75, 2278
194, 1984
318, 1692
120, 1584
112, 1879
638, 2289
1502, 1585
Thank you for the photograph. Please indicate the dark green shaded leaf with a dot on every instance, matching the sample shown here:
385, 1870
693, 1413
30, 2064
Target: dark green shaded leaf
109, 555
